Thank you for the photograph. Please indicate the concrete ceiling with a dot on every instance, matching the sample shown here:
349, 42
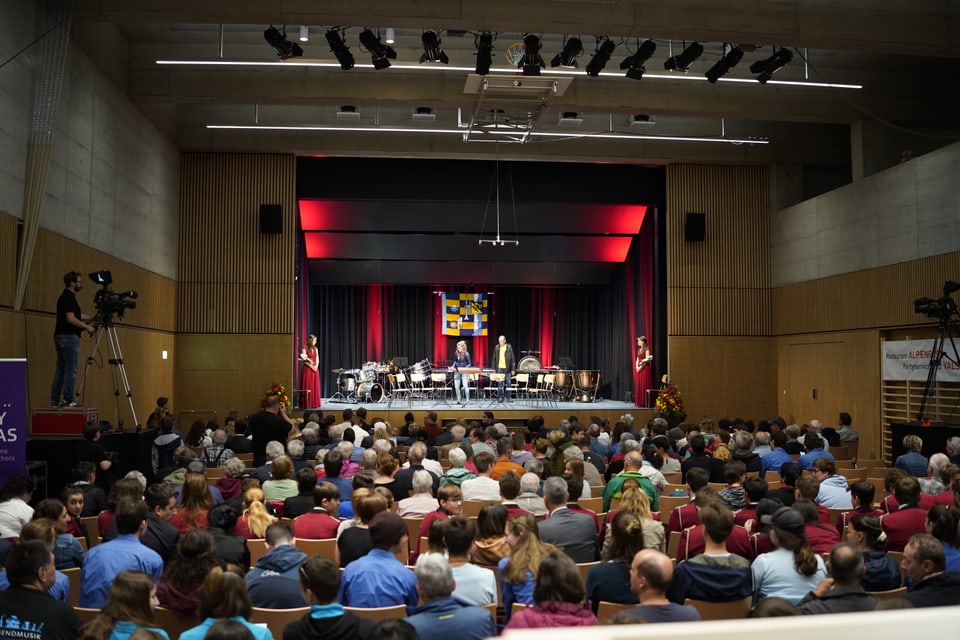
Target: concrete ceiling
903, 54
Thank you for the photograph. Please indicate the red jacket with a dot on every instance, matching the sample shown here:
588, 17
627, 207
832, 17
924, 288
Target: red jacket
692, 543
748, 512
902, 524
845, 517
821, 537
890, 504
683, 517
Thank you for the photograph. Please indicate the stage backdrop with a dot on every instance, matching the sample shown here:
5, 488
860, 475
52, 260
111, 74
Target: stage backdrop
13, 417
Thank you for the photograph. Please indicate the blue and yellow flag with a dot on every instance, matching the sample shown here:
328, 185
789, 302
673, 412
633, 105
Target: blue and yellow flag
464, 314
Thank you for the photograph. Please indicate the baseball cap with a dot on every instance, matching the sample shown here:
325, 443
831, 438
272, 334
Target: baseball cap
785, 518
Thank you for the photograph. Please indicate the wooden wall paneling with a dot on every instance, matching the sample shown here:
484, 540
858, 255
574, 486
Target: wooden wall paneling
725, 376
8, 259
718, 312
14, 332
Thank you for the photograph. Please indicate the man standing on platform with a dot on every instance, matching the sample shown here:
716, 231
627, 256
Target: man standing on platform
270, 423
505, 363
66, 339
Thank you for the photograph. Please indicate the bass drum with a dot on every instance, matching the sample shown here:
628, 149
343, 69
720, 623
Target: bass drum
371, 390
529, 363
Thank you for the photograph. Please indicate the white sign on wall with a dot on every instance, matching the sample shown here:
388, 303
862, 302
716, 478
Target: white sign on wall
910, 360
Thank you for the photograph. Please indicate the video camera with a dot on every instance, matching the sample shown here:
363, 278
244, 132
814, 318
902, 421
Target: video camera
943, 307
107, 301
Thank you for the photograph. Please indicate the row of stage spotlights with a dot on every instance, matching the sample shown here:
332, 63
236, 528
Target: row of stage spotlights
532, 62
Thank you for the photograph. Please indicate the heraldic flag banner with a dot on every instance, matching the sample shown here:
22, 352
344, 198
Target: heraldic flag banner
464, 314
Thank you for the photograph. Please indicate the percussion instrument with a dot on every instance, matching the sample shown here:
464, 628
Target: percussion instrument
347, 380
368, 372
586, 383
563, 383
372, 390
529, 363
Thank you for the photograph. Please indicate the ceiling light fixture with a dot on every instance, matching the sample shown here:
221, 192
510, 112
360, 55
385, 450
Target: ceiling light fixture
683, 61
484, 44
572, 49
605, 49
635, 64
431, 48
390, 35
304, 33
339, 49
285, 48
532, 62
380, 54
731, 57
766, 68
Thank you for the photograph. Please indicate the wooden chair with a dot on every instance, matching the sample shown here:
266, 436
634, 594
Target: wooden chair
173, 624
471, 508
889, 595
517, 607
245, 458
835, 515
215, 472
413, 531
670, 487
376, 614
879, 490
614, 504
773, 484
593, 504
85, 614
492, 608
733, 610
607, 610
93, 529
669, 503
585, 567
871, 463
326, 547
717, 486
674, 478
258, 548
74, 576
673, 544
277, 619
852, 475
83, 542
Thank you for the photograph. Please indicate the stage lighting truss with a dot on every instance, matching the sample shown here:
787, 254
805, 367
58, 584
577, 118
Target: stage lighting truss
380, 54
686, 58
339, 48
484, 43
278, 40
431, 48
732, 55
769, 66
634, 64
605, 49
572, 49
532, 61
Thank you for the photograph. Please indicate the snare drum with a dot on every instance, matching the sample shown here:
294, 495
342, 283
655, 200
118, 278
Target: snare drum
529, 363
371, 390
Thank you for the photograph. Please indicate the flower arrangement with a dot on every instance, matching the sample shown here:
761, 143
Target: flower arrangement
277, 389
669, 402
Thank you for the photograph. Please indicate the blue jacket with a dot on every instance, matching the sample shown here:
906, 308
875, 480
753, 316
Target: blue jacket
806, 460
773, 461
913, 463
445, 617
274, 583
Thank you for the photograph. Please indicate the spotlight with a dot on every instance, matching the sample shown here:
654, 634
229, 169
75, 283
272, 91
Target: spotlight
431, 49
285, 48
532, 61
731, 56
572, 49
605, 49
390, 36
379, 52
484, 44
340, 50
634, 64
766, 68
683, 61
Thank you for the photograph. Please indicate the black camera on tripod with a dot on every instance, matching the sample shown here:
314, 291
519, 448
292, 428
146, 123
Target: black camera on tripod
942, 308
109, 302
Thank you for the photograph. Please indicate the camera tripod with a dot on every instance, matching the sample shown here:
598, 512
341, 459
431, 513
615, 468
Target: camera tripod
117, 369
945, 331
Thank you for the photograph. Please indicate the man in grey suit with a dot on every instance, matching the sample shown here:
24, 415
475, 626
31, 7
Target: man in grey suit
575, 533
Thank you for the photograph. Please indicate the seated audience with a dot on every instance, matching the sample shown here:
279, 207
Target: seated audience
422, 501
518, 570
273, 583
909, 518
924, 566
356, 542
913, 462
30, 573
195, 503
281, 484
491, 544
327, 619
181, 585
942, 523
41, 529
378, 579
733, 495
474, 585
573, 532
881, 572
792, 568
231, 485
610, 580
231, 548
321, 521
650, 580
834, 490
224, 597
821, 537
255, 519
127, 607
861, 499
302, 502
67, 551
842, 592
558, 597
439, 614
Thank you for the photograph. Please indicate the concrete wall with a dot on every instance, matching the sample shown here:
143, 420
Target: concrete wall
113, 181
908, 212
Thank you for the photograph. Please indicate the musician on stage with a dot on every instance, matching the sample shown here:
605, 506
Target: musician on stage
310, 374
505, 363
643, 371
461, 360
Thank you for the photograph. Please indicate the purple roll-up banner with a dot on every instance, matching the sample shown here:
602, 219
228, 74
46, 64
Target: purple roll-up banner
13, 417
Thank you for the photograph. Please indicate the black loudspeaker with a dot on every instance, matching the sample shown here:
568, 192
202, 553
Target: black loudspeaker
695, 227
271, 218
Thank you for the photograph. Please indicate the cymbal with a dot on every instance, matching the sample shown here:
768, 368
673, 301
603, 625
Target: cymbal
337, 370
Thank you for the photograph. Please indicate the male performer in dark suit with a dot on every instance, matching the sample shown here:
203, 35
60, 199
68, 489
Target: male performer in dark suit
504, 362
575, 533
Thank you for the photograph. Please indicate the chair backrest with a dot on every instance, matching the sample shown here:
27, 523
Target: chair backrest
473, 507
74, 576
673, 543
593, 504
326, 547
173, 624
85, 614
889, 595
584, 568
277, 619
214, 473
492, 608
377, 614
83, 542
670, 487
607, 610
413, 531
673, 478
438, 377
835, 515
522, 378
733, 610
879, 491
246, 458
258, 548
517, 606
92, 523
669, 503
852, 475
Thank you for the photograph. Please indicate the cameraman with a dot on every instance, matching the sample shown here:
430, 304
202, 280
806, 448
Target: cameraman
66, 338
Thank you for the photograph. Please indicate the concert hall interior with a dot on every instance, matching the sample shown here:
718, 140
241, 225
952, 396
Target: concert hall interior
766, 237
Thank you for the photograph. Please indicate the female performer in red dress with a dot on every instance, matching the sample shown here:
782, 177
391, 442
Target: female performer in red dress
310, 376
644, 371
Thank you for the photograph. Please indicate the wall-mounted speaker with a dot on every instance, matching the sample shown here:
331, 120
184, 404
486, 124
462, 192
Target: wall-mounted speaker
695, 227
271, 218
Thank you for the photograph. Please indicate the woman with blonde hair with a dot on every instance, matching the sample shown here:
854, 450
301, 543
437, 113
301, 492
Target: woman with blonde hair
518, 570
255, 519
461, 360
129, 607
634, 500
282, 485
195, 502
225, 597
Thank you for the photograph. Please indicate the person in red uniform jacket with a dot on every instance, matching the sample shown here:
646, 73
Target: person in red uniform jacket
861, 495
909, 519
821, 537
808, 488
321, 522
687, 516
